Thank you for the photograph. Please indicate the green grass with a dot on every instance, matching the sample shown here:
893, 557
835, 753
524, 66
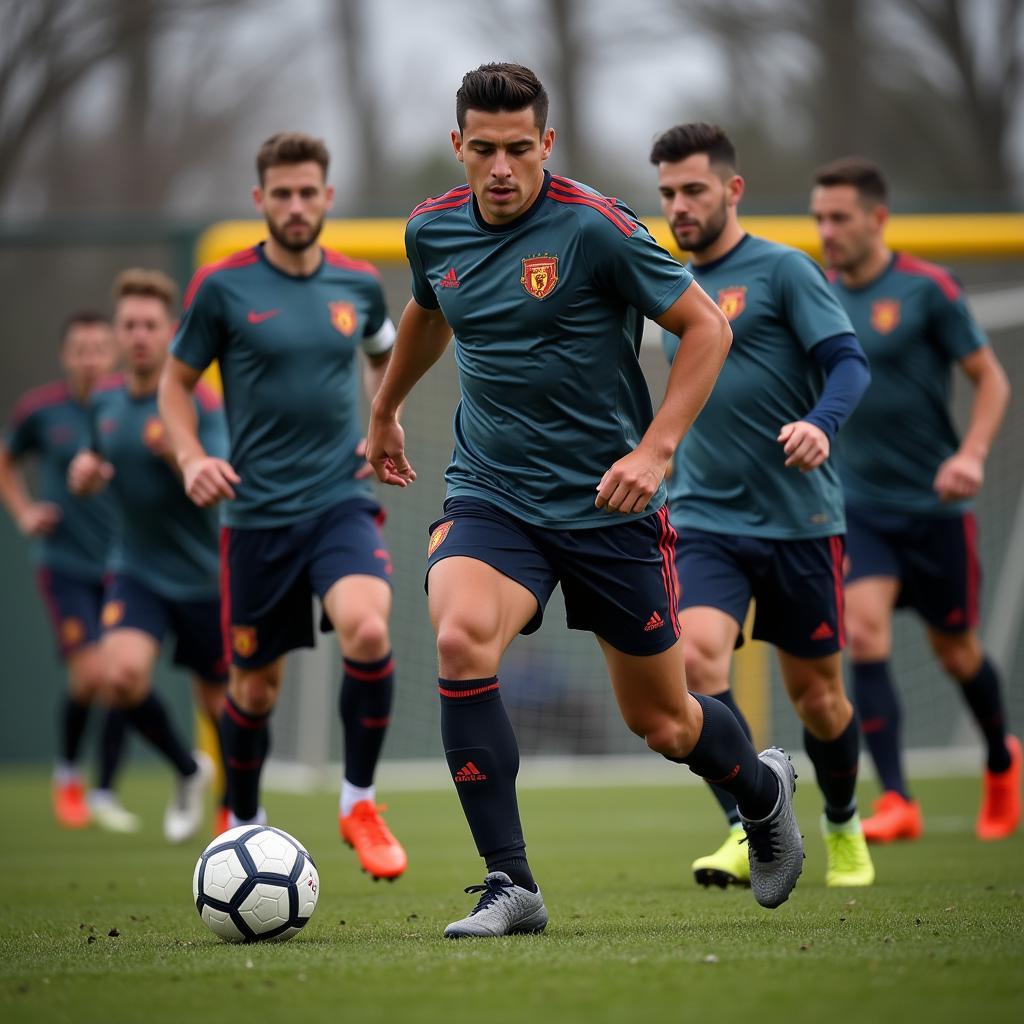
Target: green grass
939, 937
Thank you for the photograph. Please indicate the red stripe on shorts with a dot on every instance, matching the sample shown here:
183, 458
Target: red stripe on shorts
973, 567
835, 545
667, 545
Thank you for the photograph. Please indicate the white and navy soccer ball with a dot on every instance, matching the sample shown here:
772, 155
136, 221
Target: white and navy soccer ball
255, 883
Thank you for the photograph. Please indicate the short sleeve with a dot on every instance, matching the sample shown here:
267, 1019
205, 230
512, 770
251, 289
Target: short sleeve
952, 326
806, 300
626, 260
422, 291
22, 434
200, 334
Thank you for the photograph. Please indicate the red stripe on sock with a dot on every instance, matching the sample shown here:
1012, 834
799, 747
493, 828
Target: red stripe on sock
241, 719
467, 693
371, 676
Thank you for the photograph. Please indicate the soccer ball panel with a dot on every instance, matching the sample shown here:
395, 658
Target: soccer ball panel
265, 908
308, 886
223, 876
271, 853
220, 923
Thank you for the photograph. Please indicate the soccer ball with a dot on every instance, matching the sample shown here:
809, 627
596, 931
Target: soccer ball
254, 883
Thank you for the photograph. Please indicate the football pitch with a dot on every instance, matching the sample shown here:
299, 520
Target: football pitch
95, 927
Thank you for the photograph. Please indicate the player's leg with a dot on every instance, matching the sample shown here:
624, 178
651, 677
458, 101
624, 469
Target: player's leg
476, 611
964, 659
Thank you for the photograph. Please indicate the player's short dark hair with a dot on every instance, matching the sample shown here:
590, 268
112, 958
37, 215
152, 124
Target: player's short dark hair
291, 148
863, 175
82, 318
497, 87
684, 140
150, 284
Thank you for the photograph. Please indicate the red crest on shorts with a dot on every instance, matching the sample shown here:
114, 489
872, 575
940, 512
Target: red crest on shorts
112, 614
343, 317
243, 641
72, 632
732, 301
540, 275
885, 315
438, 536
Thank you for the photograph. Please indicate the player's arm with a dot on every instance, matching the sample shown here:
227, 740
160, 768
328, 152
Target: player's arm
33, 518
807, 443
704, 339
423, 335
963, 473
207, 478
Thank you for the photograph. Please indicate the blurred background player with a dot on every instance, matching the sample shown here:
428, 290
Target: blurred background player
909, 481
286, 320
754, 498
165, 561
71, 544
557, 475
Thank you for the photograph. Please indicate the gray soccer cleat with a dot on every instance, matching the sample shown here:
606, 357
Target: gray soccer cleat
775, 847
503, 909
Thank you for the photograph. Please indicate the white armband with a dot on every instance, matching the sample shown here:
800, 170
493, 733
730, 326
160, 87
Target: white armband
379, 343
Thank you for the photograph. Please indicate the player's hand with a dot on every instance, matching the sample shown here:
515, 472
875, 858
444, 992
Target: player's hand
385, 452
88, 474
40, 519
806, 446
630, 483
959, 477
209, 480
365, 469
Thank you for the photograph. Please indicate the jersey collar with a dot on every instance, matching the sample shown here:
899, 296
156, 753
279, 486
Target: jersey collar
501, 229
714, 264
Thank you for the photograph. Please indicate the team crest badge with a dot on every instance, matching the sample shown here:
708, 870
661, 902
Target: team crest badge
540, 275
112, 614
153, 431
438, 536
885, 315
243, 641
343, 317
72, 632
732, 301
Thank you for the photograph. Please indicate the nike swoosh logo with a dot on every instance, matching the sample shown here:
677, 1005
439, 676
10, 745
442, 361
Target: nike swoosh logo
258, 318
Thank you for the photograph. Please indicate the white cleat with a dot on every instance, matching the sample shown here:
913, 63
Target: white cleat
110, 814
184, 814
503, 909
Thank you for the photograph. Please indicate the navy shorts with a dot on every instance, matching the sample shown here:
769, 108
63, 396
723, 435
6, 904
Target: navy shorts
199, 647
269, 577
797, 586
74, 606
618, 581
935, 558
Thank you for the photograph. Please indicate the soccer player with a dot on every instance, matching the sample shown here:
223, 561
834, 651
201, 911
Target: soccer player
164, 568
557, 474
754, 497
286, 319
909, 481
71, 541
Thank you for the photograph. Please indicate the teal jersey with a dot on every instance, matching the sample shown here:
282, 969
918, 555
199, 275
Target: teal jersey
50, 424
287, 348
914, 325
164, 540
729, 473
547, 313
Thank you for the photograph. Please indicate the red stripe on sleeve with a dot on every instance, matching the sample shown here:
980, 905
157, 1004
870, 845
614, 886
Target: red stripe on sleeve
922, 268
238, 259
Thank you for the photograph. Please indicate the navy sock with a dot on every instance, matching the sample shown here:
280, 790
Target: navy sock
835, 767
878, 708
725, 757
150, 718
245, 743
724, 797
483, 757
112, 742
986, 703
73, 717
367, 688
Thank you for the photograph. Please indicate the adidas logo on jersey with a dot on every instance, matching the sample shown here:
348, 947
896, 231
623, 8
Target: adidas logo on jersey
469, 773
823, 632
450, 280
653, 623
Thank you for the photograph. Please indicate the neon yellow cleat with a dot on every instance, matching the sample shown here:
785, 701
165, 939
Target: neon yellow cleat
728, 865
849, 862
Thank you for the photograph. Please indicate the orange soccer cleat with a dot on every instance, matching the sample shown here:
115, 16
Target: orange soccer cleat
69, 804
1000, 805
379, 852
895, 817
221, 821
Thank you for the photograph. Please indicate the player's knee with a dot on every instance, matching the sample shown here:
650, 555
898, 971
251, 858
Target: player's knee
701, 668
960, 660
255, 692
463, 650
866, 638
824, 708
211, 700
367, 639
673, 738
126, 683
